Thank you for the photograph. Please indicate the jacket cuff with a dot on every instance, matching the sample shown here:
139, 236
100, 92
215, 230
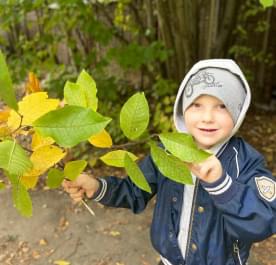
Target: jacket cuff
222, 190
99, 194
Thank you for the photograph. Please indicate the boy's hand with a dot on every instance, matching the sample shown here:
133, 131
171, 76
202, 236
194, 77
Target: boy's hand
209, 170
83, 184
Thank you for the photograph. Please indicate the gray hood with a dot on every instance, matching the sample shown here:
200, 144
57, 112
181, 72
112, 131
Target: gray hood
227, 64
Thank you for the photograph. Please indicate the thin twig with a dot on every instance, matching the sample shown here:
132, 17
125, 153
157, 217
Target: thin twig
78, 243
121, 146
60, 245
116, 147
88, 208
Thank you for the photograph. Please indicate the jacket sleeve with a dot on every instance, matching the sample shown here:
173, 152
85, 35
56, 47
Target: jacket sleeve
122, 192
247, 201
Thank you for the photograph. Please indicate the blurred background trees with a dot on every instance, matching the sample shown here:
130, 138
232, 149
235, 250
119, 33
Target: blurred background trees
131, 45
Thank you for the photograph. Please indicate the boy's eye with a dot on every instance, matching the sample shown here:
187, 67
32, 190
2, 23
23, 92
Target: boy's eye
222, 106
196, 105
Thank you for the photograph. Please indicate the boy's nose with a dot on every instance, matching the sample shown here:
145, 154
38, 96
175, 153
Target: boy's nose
207, 116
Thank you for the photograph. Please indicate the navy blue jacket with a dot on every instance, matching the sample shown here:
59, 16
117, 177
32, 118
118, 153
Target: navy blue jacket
227, 216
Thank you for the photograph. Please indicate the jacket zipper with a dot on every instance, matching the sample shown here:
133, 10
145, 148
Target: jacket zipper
191, 220
237, 251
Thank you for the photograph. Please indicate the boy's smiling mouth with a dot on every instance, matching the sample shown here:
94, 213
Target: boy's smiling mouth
207, 130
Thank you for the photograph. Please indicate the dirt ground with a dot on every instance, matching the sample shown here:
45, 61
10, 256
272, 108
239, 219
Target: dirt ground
59, 231
62, 233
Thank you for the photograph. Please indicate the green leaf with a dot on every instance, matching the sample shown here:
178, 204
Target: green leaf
87, 83
13, 158
21, 198
72, 169
134, 116
117, 158
135, 174
183, 146
267, 3
70, 125
6, 88
170, 166
55, 178
74, 94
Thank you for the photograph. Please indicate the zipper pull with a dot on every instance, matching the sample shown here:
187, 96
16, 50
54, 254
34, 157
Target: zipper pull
237, 251
236, 248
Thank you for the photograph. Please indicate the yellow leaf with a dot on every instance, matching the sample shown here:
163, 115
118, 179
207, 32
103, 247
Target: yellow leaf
14, 120
39, 141
4, 130
45, 157
4, 114
30, 178
114, 233
102, 139
35, 105
42, 158
61, 262
43, 242
32, 84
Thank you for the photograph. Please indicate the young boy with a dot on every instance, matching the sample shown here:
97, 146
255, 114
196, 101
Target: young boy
232, 202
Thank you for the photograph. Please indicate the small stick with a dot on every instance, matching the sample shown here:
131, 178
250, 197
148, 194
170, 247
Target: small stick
88, 208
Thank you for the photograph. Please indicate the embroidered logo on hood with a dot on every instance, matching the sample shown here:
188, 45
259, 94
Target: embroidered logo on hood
201, 77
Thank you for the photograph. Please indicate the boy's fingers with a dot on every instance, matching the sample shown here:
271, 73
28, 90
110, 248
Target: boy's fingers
71, 183
64, 183
67, 184
77, 196
73, 190
195, 168
89, 194
77, 199
70, 186
205, 171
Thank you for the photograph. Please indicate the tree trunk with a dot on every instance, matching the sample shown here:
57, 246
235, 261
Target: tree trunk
166, 35
229, 13
195, 30
264, 92
176, 21
212, 28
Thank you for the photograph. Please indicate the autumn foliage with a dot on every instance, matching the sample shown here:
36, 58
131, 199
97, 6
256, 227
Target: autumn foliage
51, 127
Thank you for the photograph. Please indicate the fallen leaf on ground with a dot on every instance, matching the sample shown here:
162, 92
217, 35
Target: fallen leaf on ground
43, 242
61, 262
36, 255
114, 233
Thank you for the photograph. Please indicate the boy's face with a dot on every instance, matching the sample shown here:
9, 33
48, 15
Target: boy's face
208, 120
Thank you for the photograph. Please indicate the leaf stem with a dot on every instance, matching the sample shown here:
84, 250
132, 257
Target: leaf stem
19, 127
120, 146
